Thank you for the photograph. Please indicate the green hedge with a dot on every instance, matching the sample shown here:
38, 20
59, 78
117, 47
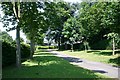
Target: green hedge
9, 53
104, 45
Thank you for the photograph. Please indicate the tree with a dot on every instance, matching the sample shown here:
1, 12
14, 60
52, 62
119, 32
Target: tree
96, 17
115, 39
71, 31
12, 13
4, 36
56, 14
34, 26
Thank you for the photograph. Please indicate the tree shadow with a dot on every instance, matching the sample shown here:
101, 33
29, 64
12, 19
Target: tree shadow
93, 51
49, 67
117, 52
115, 60
72, 59
44, 53
104, 53
100, 71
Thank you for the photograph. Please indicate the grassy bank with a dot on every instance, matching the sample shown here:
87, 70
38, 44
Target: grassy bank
45, 65
104, 56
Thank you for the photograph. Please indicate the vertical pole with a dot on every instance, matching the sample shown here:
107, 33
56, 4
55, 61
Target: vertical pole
113, 46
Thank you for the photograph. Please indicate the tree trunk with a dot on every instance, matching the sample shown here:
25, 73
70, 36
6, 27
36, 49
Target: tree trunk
59, 44
16, 10
32, 48
49, 43
113, 46
72, 47
85, 48
18, 51
65, 46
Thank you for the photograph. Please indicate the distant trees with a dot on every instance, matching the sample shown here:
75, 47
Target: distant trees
71, 31
93, 18
4, 36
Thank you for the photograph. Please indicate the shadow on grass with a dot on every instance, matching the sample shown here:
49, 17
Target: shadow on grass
43, 53
117, 52
104, 53
115, 60
48, 67
72, 59
41, 50
93, 51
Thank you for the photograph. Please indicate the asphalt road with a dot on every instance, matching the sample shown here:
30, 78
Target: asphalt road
106, 69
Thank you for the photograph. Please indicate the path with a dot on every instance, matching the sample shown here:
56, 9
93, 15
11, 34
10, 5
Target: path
105, 69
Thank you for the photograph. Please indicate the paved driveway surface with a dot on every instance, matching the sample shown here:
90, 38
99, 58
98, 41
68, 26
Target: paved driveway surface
102, 68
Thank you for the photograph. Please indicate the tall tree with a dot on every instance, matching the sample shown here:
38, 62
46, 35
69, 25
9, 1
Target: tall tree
34, 25
12, 13
72, 32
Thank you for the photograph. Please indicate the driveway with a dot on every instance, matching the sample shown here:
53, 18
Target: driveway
102, 68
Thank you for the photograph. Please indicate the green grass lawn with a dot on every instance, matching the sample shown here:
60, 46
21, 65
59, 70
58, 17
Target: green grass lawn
46, 65
104, 56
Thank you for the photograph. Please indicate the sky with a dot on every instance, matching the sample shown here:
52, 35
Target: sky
13, 32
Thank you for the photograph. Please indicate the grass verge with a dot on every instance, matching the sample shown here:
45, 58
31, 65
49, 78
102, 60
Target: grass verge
45, 65
104, 56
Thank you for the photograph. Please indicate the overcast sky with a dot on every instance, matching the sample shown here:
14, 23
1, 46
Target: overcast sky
13, 33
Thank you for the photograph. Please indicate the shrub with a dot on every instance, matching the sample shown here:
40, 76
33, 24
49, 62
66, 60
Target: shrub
101, 45
25, 51
9, 53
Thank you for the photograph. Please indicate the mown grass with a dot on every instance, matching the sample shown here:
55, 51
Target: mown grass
104, 56
46, 65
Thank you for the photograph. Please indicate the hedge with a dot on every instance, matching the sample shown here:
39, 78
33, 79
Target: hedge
9, 53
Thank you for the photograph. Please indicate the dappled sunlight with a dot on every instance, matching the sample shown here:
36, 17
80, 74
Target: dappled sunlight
48, 63
38, 63
49, 66
29, 63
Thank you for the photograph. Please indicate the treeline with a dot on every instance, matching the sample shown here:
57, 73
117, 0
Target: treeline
94, 25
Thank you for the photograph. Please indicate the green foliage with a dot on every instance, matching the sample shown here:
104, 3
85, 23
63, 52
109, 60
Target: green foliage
9, 53
101, 45
71, 30
25, 51
5, 37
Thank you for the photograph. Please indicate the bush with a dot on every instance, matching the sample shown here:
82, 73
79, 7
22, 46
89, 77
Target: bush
9, 53
25, 51
77, 46
101, 45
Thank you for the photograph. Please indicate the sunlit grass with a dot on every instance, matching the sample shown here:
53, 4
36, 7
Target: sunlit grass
104, 56
46, 65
